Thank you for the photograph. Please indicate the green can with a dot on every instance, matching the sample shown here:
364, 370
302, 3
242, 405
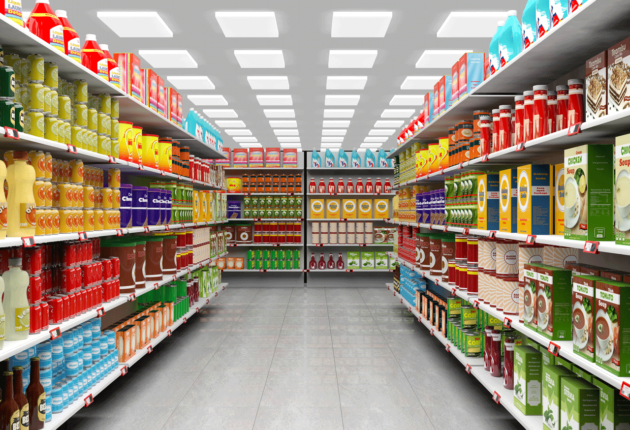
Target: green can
274, 265
282, 254
19, 117
289, 254
473, 344
296, 254
266, 264
289, 264
259, 254
247, 202
250, 263
7, 82
255, 213
290, 202
284, 213
282, 265
275, 254
258, 265
469, 317
296, 264
266, 254
7, 113
453, 306
298, 213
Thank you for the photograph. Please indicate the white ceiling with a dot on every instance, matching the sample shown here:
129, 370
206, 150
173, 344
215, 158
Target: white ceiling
309, 85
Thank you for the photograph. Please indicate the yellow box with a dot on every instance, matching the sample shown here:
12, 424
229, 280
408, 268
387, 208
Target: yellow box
196, 205
349, 208
203, 212
365, 208
488, 201
507, 201
433, 157
558, 198
317, 209
234, 185
422, 158
210, 207
443, 153
381, 208
535, 206
333, 209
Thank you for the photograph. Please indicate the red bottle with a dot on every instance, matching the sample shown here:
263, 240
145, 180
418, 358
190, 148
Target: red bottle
388, 187
43, 23
340, 264
369, 188
71, 39
112, 67
350, 187
331, 262
312, 265
312, 188
508, 363
331, 186
93, 57
322, 187
359, 186
378, 188
341, 188
495, 354
322, 262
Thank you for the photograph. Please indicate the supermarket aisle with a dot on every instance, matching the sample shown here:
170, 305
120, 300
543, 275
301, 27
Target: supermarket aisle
298, 359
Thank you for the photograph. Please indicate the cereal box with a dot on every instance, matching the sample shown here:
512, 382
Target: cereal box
508, 200
534, 200
488, 212
558, 199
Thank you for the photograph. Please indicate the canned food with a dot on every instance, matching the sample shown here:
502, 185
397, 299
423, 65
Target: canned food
150, 150
80, 91
52, 128
34, 123
49, 193
66, 217
35, 68
88, 196
109, 219
54, 221
136, 145
104, 144
115, 109
54, 103
65, 132
105, 104
104, 124
48, 160
113, 178
51, 75
65, 195
47, 101
40, 227
7, 82
77, 171
34, 97
78, 221
99, 219
19, 90
7, 113
76, 136
56, 195
106, 198
64, 107
116, 199
37, 159
93, 141
39, 191
125, 141
19, 117
88, 220
79, 196
92, 119
80, 114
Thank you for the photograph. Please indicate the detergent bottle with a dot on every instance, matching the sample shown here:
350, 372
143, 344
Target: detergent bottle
21, 204
495, 60
510, 40
93, 57
559, 10
12, 9
71, 39
542, 17
112, 67
43, 23
528, 24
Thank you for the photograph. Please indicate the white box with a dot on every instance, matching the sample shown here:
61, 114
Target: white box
315, 237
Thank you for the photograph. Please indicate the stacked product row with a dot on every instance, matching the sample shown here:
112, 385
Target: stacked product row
263, 259
265, 207
355, 261
348, 232
259, 158
265, 183
354, 161
263, 233
349, 208
341, 188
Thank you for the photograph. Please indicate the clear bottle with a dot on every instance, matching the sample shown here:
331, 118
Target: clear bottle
340, 263
341, 188
331, 186
20, 398
4, 220
378, 187
21, 203
331, 262
359, 186
321, 189
312, 187
312, 265
349, 187
322, 262
16, 301
369, 188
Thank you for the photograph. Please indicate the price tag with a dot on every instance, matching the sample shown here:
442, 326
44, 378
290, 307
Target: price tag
156, 285
531, 239
520, 147
507, 322
362, 244
11, 133
432, 332
55, 333
83, 236
448, 348
72, 149
484, 158
183, 226
185, 320
454, 291
120, 232
496, 397
460, 166
262, 270
440, 171
319, 244
476, 304
575, 129
140, 167
146, 229
28, 242
89, 400
625, 390
167, 228
132, 297
124, 370
468, 369
197, 310
100, 312
492, 234
149, 349
466, 231
111, 159
168, 333
161, 172
349, 270
553, 349
591, 247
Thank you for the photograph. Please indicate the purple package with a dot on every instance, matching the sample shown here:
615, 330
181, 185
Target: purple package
168, 204
125, 205
154, 211
139, 205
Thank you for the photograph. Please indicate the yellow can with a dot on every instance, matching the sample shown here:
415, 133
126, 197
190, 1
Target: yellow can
76, 136
51, 75
66, 196
113, 178
106, 198
104, 143
40, 226
80, 91
37, 159
92, 119
93, 141
55, 170
47, 100
88, 220
104, 124
79, 197
165, 161
88, 196
196, 204
34, 97
105, 104
150, 146
115, 109
80, 115
56, 196
78, 221
52, 128
66, 220
50, 222
35, 68
114, 129
99, 219
136, 145
39, 191
34, 123
64, 107
55, 220
18, 93
66, 131
54, 103
63, 87
67, 171
49, 193
116, 198
48, 162
109, 220
99, 177
76, 166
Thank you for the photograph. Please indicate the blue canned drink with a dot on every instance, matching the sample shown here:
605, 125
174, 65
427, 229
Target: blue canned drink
87, 333
57, 399
96, 327
46, 379
71, 394
90, 377
96, 352
68, 343
44, 351
48, 407
111, 340
104, 346
79, 384
87, 357
80, 359
75, 340
20, 359
64, 393
32, 352
57, 347
72, 365
79, 332
57, 365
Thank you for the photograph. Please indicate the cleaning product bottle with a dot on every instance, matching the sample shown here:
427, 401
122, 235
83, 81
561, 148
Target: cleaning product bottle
21, 205
312, 265
113, 71
71, 40
43, 23
93, 58
3, 204
542, 17
15, 301
511, 39
355, 161
370, 160
342, 159
495, 62
559, 10
528, 24
316, 160
329, 159
12, 9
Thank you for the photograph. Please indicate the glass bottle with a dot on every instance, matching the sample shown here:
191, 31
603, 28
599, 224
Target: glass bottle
312, 188
331, 262
340, 264
312, 265
16, 301
322, 187
508, 362
378, 188
369, 188
495, 354
322, 262
341, 188
9, 411
350, 187
388, 187
331, 186
359, 186
20, 398
36, 398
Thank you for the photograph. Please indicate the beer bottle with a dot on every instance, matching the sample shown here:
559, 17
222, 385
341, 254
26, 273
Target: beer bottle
9, 412
20, 398
36, 398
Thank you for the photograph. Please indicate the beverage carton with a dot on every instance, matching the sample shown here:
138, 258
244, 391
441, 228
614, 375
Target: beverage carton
528, 380
367, 260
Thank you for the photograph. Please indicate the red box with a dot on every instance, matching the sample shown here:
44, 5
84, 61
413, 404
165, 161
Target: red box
130, 74
161, 100
172, 105
151, 89
180, 109
436, 99
442, 94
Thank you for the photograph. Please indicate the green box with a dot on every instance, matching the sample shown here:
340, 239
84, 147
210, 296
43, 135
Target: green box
354, 260
582, 374
614, 410
367, 260
528, 380
532, 343
579, 404
553, 286
551, 388
583, 315
392, 263
380, 260
565, 363
548, 359
612, 327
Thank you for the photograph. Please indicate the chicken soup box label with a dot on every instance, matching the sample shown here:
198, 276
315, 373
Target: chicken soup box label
622, 190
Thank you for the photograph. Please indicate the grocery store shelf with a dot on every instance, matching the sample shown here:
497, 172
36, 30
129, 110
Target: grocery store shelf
351, 195
262, 194
363, 245
59, 419
364, 271
350, 169
262, 270
253, 245
347, 219
266, 219
264, 169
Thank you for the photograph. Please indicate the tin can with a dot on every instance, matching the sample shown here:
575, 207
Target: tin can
88, 197
51, 75
32, 261
78, 221
104, 124
55, 221
92, 119
19, 117
109, 219
115, 113
106, 198
49, 193
34, 123
49, 222
34, 97
64, 107
47, 100
93, 141
80, 91
19, 90
56, 195
105, 104
7, 82
104, 144
40, 226
77, 171
114, 129
67, 220
7, 113
99, 219
65, 195
88, 220
113, 178
48, 162
52, 128
35, 68
116, 200
54, 103
65, 132
76, 136
80, 114
136, 145
39, 191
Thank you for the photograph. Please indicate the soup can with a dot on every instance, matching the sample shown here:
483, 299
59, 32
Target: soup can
52, 128
105, 104
7, 82
65, 195
34, 123
46, 100
92, 119
7, 113
80, 114
99, 219
54, 103
49, 193
34, 97
35, 68
64, 107
77, 171
80, 91
55, 221
104, 124
51, 75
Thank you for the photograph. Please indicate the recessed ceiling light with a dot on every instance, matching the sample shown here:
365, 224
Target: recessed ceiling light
342, 100
336, 124
279, 113
471, 24
136, 24
268, 82
382, 132
338, 113
288, 139
420, 82
272, 59
286, 132
247, 24
331, 144
339, 59
371, 145
332, 138
376, 139
220, 113
397, 113
191, 82
439, 59
385, 124
334, 132
228, 124
244, 139
360, 24
400, 100
238, 132
175, 59
283, 123
346, 82
250, 145
208, 100
275, 100
291, 145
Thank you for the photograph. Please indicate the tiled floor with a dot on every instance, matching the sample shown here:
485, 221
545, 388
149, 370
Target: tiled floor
296, 359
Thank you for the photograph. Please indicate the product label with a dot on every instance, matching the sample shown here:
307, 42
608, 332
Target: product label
41, 407
4, 216
56, 38
22, 319
103, 70
15, 421
24, 417
13, 11
74, 49
28, 218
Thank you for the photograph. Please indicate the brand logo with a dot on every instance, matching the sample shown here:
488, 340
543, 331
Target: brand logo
575, 160
606, 296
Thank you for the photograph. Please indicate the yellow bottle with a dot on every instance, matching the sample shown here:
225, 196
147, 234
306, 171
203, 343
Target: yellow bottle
21, 203
3, 202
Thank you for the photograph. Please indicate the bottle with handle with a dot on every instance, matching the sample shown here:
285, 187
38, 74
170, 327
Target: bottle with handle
322, 262
340, 263
16, 301
22, 217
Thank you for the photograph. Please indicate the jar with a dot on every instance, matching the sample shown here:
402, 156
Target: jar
562, 116
576, 101
552, 111
487, 347
508, 361
283, 183
485, 136
496, 119
505, 126
245, 183
276, 184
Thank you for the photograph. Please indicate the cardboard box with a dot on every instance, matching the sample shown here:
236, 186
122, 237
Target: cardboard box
558, 199
622, 190
318, 209
130, 75
535, 208
612, 326
256, 157
380, 260
443, 153
579, 404
582, 373
553, 302
354, 260
429, 108
508, 200
614, 409
333, 209
618, 60
239, 157
448, 95
455, 82
171, 108
161, 101
528, 380
432, 161
289, 157
488, 211
588, 193
365, 208
560, 256
151, 89
551, 390
349, 208
180, 109
272, 157
583, 315
471, 72
596, 87
436, 99
527, 312
367, 260
381, 208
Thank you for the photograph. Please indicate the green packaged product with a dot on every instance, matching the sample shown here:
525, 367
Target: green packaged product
528, 380
579, 404
614, 409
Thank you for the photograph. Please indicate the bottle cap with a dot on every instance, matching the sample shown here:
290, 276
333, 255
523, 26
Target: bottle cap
15, 262
91, 37
511, 13
61, 14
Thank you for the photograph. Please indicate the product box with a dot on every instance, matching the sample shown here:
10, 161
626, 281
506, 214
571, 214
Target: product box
239, 158
564, 362
548, 359
442, 153
380, 260
622, 190
365, 208
289, 157
272, 157
429, 108
180, 109
588, 193
535, 207
381, 208
256, 157
488, 211
367, 260
354, 260
596, 87
349, 208
471, 72
618, 60
583, 315
528, 380
433, 162
528, 309
151, 89
582, 374
612, 327
528, 254
225, 162
553, 302
508, 200
558, 199
436, 99
455, 82
614, 409
333, 209
579, 404
130, 76
317, 209
392, 264
172, 105
551, 390
161, 100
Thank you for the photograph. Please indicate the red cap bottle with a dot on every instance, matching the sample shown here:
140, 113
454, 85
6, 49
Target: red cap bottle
112, 66
71, 38
44, 24
93, 58
12, 9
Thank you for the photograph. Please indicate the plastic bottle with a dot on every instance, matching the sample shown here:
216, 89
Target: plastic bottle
15, 301
388, 187
21, 205
558, 10
359, 186
378, 187
93, 58
355, 161
341, 188
543, 19
3, 203
329, 159
112, 67
495, 61
12, 9
369, 188
71, 39
342, 159
331, 262
350, 187
331, 186
321, 189
322, 262
370, 160
528, 24
312, 188
43, 23
340, 263
312, 265
511, 39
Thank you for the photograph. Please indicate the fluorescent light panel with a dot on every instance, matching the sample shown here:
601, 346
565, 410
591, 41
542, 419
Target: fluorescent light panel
288, 139
208, 100
376, 139
244, 139
279, 113
165, 59
286, 132
382, 132
385, 124
336, 124
360, 24
283, 124
346, 82
135, 24
331, 144
291, 145
191, 82
247, 24
220, 113
404, 100
238, 132
338, 113
359, 59
439, 59
268, 82
471, 24
397, 113
334, 132
342, 100
230, 124
261, 59
333, 138
371, 145
275, 100
420, 82
250, 145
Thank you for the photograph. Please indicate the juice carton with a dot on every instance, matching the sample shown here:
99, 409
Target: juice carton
553, 302
612, 326
528, 380
579, 404
488, 211
534, 200
471, 68
508, 200
583, 315
551, 390
558, 199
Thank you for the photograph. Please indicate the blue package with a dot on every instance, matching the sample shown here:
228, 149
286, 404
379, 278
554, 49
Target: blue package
355, 161
511, 39
370, 160
559, 10
316, 160
543, 20
342, 159
382, 159
493, 52
329, 159
429, 113
472, 69
528, 24
448, 93
390, 161
234, 209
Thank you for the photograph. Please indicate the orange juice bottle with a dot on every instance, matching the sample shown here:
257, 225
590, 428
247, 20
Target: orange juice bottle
21, 204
